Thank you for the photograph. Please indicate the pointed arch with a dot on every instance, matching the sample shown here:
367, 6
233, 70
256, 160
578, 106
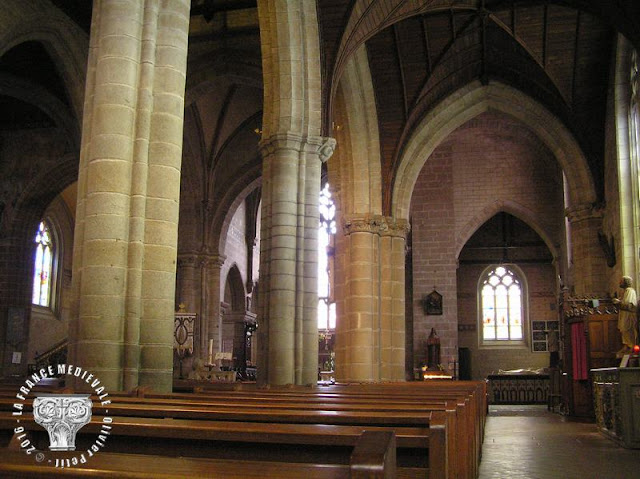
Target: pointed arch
65, 42
514, 209
471, 101
358, 160
234, 292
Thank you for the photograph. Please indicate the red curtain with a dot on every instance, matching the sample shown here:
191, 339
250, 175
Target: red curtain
579, 349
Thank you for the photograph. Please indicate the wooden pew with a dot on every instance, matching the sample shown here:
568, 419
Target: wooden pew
373, 457
456, 421
464, 412
210, 438
468, 395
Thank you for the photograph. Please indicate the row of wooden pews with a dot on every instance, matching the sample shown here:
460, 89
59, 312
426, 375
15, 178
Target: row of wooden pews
435, 429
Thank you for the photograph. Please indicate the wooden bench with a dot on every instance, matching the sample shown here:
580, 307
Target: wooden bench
424, 433
462, 403
457, 421
468, 396
373, 457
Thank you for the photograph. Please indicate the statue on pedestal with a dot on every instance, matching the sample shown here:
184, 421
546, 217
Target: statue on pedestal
627, 317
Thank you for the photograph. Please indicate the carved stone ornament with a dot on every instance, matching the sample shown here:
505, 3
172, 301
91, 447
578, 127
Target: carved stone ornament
62, 416
322, 146
378, 224
326, 149
583, 212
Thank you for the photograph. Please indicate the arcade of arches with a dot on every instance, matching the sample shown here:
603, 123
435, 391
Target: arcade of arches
176, 150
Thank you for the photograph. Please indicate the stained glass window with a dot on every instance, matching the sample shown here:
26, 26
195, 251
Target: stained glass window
326, 230
42, 267
501, 306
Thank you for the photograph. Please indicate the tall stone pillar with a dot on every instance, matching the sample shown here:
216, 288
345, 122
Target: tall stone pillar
288, 324
589, 262
392, 292
188, 282
212, 297
370, 331
128, 191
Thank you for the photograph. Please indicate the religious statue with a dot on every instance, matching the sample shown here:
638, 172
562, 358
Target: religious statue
433, 350
627, 317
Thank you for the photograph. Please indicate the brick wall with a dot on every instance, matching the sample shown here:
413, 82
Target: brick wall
490, 164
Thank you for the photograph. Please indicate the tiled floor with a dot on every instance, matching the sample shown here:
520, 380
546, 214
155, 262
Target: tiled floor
527, 442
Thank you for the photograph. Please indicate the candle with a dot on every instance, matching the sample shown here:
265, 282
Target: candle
210, 351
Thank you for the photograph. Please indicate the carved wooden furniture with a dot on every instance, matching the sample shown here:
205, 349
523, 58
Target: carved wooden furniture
518, 388
590, 338
617, 404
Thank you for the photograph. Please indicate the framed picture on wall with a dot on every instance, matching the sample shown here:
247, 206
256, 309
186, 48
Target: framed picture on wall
432, 303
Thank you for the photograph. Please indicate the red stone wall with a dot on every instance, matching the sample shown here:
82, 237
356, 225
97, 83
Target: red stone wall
490, 164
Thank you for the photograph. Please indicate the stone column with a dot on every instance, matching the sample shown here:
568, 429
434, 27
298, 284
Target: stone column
188, 282
370, 331
392, 293
288, 325
589, 262
211, 311
128, 191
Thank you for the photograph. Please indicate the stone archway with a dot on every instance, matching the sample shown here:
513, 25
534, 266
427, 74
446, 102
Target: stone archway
234, 317
469, 102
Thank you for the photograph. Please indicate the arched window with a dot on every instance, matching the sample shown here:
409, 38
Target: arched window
502, 300
43, 266
326, 230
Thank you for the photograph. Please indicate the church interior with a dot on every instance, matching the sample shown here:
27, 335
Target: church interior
373, 212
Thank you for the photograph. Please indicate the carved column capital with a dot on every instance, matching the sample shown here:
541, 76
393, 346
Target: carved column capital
361, 224
207, 260
396, 227
187, 260
583, 211
212, 260
319, 145
375, 224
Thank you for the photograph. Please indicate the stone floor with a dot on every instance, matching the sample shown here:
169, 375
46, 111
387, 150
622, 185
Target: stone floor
527, 442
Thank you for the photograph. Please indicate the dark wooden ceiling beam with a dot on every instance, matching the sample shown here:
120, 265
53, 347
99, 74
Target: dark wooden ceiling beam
423, 24
452, 42
545, 34
576, 49
484, 79
623, 15
224, 33
403, 82
452, 23
209, 8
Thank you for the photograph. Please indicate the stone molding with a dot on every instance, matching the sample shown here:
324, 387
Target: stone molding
323, 146
376, 224
201, 259
585, 211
